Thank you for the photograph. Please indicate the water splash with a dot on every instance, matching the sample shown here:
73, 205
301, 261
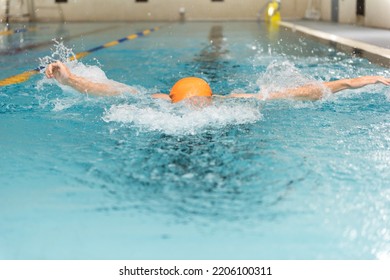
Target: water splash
64, 54
59, 52
91, 72
387, 94
176, 119
280, 76
140, 110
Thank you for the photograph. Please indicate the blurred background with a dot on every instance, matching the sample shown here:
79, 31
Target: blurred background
370, 13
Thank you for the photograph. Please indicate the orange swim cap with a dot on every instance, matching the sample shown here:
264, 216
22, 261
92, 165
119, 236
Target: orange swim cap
189, 87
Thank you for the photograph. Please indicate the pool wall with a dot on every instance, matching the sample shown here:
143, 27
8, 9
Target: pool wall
376, 11
155, 10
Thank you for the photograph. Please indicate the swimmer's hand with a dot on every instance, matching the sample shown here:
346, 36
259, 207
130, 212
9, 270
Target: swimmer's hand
59, 71
369, 80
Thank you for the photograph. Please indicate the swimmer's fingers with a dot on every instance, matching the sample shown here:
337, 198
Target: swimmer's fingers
52, 68
381, 79
385, 81
368, 80
49, 71
134, 91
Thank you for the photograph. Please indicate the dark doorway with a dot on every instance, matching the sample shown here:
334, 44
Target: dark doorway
335, 10
360, 7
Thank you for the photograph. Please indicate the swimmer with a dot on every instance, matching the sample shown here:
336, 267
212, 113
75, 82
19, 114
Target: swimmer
190, 87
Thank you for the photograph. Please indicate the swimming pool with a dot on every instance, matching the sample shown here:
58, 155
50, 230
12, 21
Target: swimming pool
132, 178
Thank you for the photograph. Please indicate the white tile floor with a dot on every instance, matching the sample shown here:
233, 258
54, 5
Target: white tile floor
374, 36
371, 43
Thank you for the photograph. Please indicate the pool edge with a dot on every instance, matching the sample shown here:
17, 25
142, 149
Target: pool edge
375, 54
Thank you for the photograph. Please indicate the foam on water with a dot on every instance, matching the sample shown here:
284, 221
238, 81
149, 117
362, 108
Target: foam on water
176, 119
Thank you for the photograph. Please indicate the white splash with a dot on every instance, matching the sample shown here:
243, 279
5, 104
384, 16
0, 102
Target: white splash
64, 54
91, 72
282, 75
63, 104
176, 119
387, 94
59, 52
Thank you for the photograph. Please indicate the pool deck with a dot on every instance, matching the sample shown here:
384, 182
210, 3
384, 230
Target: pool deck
373, 43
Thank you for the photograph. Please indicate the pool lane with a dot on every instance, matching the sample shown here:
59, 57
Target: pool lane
8, 32
22, 77
17, 50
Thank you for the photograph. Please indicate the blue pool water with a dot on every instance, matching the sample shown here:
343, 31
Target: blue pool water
134, 178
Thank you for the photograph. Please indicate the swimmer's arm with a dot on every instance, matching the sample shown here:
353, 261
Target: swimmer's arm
63, 75
308, 92
161, 96
85, 86
314, 91
354, 83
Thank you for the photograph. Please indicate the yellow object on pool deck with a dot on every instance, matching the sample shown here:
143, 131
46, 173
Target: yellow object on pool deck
189, 87
272, 13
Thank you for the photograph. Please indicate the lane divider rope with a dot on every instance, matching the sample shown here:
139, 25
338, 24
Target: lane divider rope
20, 78
31, 46
18, 30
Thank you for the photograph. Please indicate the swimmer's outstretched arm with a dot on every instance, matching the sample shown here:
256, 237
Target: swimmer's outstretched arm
63, 75
315, 92
358, 82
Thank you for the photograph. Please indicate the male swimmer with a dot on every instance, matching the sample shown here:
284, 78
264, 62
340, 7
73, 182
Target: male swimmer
190, 87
